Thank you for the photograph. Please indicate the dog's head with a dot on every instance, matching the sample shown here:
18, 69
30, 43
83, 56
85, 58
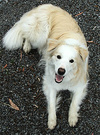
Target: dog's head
66, 59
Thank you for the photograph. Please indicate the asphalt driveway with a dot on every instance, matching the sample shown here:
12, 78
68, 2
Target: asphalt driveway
21, 78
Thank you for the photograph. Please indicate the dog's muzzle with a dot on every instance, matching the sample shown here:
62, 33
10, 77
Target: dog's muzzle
60, 75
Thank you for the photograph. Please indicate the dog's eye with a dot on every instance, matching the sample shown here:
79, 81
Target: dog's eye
58, 56
71, 61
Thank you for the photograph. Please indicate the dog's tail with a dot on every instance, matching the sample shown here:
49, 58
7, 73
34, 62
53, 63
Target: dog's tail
13, 38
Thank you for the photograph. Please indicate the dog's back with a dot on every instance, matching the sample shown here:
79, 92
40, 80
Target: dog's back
39, 24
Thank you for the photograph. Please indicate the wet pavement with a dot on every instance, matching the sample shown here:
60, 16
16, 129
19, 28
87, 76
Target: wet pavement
21, 77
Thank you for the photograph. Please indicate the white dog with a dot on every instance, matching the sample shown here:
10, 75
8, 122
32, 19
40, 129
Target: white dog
60, 40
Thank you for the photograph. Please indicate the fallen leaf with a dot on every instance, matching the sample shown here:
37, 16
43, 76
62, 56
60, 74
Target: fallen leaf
79, 14
13, 105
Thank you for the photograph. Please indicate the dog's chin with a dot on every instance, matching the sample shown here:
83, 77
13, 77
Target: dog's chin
58, 78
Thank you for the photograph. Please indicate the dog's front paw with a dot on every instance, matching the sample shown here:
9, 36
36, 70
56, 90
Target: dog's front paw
51, 123
73, 118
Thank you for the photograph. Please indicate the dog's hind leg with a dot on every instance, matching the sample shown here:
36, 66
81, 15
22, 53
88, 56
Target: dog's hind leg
26, 46
35, 29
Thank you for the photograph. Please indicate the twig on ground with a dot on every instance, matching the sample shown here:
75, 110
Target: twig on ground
90, 41
5, 66
79, 14
5, 104
36, 106
20, 55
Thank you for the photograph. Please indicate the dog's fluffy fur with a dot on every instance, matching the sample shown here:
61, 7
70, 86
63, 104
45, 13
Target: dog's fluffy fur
60, 40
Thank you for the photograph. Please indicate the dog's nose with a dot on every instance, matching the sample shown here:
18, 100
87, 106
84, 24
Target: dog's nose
61, 71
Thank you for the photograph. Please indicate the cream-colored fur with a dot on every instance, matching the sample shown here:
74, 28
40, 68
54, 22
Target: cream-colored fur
58, 37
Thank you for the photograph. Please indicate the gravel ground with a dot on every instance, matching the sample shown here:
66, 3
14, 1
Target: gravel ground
21, 78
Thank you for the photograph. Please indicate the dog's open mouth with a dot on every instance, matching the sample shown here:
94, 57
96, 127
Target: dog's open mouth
58, 78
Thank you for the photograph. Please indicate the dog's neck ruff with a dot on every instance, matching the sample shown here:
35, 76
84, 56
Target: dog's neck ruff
71, 41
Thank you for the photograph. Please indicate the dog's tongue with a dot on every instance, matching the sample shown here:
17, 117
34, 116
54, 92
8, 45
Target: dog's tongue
59, 78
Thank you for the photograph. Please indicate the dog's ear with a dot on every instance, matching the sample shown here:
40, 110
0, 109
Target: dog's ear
82, 52
52, 44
